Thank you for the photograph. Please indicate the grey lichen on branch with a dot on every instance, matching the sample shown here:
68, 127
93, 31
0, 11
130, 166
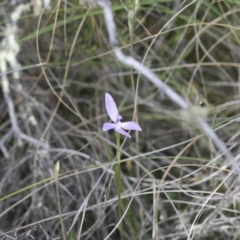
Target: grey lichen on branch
9, 49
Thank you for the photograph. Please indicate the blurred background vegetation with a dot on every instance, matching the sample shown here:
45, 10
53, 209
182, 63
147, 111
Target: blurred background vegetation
180, 185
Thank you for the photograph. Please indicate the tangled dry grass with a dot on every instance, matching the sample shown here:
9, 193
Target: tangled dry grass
57, 61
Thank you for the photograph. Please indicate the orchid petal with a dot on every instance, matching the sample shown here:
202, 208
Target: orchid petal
131, 126
111, 108
121, 131
119, 118
108, 126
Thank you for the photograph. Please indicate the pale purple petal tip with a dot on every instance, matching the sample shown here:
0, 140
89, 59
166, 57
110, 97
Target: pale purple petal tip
121, 131
111, 107
108, 126
131, 126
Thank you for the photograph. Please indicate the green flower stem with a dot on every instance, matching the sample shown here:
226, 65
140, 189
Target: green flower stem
119, 182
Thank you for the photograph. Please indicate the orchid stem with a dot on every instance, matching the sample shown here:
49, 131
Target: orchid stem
119, 182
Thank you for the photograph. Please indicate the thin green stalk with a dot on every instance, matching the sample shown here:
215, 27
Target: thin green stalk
119, 182
57, 168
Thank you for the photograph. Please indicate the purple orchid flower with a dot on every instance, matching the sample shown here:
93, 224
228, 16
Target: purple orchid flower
118, 126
